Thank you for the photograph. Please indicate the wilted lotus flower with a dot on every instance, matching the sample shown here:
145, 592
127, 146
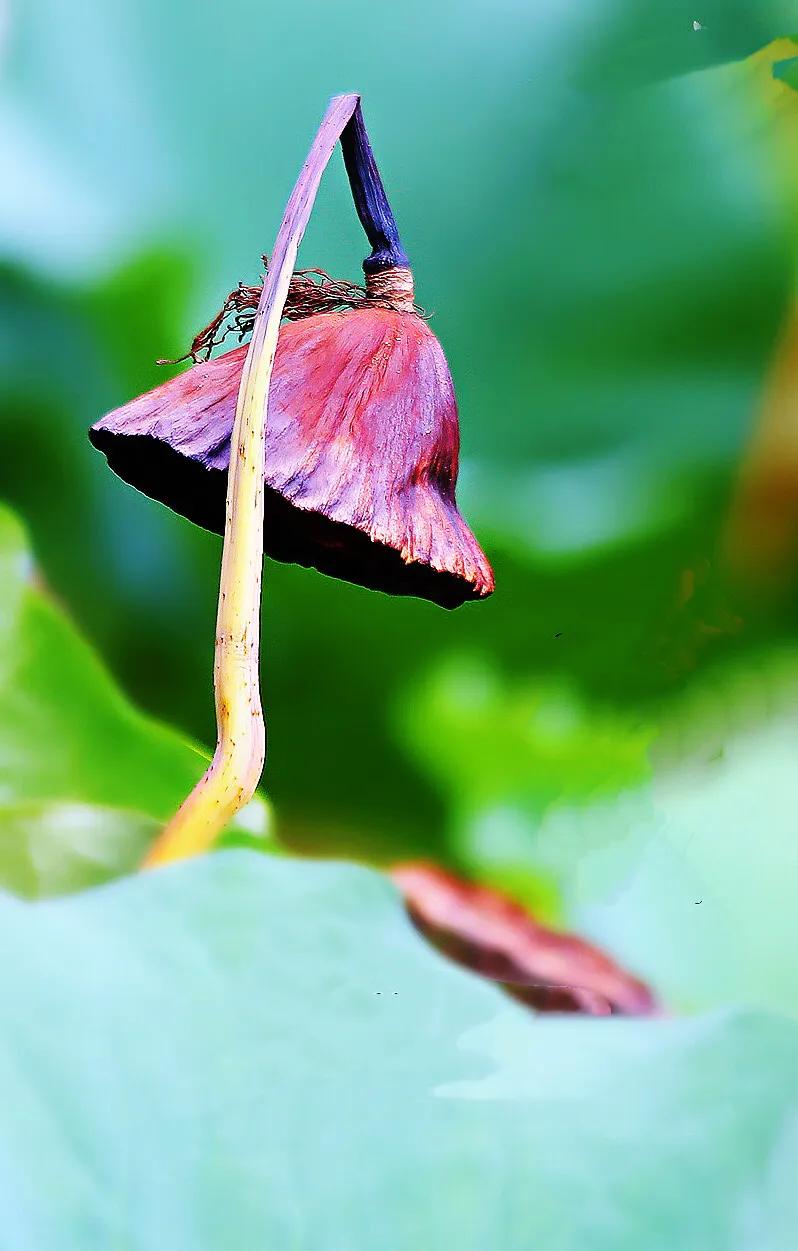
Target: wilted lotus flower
362, 436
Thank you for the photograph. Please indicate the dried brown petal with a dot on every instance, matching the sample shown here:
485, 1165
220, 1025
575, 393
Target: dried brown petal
489, 933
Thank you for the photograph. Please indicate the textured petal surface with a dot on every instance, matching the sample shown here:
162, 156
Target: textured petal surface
362, 432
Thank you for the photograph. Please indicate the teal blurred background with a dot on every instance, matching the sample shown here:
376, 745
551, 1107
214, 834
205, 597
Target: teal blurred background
599, 200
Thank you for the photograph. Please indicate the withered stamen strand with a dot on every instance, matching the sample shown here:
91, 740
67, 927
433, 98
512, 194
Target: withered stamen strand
310, 291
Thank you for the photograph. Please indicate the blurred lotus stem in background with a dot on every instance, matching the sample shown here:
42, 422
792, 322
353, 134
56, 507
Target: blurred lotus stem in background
761, 539
237, 764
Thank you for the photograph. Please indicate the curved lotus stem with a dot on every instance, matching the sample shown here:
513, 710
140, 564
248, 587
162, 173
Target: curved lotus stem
237, 764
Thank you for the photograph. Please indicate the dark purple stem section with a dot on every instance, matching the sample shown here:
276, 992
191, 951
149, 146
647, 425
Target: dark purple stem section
370, 199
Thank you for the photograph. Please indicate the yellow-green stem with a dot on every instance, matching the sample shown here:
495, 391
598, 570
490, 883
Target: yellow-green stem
237, 764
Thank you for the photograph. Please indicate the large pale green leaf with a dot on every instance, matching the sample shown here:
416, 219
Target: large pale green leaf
85, 779
253, 1052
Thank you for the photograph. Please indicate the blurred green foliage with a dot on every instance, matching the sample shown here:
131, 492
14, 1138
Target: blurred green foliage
85, 779
680, 856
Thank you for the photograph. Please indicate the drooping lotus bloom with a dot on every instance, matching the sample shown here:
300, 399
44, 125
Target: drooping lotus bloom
362, 435
362, 446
